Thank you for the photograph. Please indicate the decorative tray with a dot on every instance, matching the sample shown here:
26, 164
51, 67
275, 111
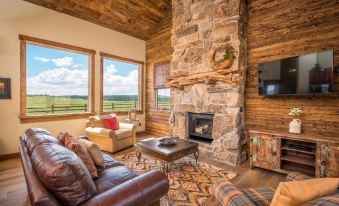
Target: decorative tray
167, 141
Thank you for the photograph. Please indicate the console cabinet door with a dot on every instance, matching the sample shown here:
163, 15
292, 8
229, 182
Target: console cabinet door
264, 151
333, 161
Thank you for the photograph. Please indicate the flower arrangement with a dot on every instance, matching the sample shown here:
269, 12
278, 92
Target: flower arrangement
295, 112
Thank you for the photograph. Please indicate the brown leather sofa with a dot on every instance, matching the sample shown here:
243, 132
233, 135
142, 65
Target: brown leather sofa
56, 176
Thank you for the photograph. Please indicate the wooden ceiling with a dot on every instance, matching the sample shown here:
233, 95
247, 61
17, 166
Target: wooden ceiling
137, 18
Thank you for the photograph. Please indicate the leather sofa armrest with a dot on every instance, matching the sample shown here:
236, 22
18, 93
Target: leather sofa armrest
143, 190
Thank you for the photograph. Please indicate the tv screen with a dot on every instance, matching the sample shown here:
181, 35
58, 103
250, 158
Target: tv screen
306, 74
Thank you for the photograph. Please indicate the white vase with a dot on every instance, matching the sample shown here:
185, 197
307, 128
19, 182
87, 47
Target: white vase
295, 126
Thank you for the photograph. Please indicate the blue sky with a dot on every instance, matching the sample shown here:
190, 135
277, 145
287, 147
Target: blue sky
125, 68
58, 72
40, 59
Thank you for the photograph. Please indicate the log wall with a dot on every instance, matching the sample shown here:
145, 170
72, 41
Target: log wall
158, 49
286, 28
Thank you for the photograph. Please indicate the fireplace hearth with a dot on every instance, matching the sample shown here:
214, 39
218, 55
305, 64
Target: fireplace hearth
200, 126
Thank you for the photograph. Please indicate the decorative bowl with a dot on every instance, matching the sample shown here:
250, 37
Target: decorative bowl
167, 141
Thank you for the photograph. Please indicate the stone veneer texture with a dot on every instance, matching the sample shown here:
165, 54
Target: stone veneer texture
199, 27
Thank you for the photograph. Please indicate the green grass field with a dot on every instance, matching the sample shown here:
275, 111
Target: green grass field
39, 105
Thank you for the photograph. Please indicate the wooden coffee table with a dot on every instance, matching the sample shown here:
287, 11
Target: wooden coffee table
167, 154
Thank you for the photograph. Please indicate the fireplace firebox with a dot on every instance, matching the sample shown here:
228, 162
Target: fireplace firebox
199, 127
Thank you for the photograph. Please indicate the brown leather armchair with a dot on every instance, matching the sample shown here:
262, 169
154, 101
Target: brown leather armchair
55, 176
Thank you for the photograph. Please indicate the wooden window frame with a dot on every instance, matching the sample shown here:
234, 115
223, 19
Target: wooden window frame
141, 81
156, 88
24, 40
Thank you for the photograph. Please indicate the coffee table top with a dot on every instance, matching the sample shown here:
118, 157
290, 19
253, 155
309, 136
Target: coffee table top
153, 145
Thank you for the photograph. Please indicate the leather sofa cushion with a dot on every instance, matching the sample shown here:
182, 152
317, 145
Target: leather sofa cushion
32, 131
36, 136
62, 172
113, 177
109, 163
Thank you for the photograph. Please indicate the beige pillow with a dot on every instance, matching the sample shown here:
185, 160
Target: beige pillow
74, 145
94, 151
296, 193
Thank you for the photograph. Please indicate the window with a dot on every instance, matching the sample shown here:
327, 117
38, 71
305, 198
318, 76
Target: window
121, 84
163, 99
162, 93
56, 79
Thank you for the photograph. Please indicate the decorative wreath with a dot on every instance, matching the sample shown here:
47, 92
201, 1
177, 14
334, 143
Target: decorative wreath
227, 60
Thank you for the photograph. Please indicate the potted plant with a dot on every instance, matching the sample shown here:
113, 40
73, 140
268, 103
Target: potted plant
295, 124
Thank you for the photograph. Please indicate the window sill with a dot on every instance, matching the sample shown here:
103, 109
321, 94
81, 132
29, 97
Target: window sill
121, 112
50, 118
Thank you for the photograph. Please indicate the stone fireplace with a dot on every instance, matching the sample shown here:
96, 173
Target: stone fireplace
200, 27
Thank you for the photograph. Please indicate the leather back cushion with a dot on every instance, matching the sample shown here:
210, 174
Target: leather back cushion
38, 139
61, 171
32, 131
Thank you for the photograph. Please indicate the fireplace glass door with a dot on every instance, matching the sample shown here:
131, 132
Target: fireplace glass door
200, 126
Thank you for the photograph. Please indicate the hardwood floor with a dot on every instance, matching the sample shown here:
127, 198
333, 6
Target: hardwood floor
13, 191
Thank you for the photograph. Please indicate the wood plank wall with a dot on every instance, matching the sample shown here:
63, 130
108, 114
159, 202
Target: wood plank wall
158, 49
285, 28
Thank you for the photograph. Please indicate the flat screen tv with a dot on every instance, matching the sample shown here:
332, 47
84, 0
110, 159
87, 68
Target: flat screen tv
300, 75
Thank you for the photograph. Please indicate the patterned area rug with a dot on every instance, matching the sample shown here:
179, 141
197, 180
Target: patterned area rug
190, 184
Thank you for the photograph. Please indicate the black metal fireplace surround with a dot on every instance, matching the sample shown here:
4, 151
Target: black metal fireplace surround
199, 127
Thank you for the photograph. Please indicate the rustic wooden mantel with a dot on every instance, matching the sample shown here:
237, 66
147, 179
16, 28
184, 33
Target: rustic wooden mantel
229, 76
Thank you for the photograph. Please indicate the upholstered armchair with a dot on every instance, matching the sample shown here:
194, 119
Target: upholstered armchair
110, 140
229, 195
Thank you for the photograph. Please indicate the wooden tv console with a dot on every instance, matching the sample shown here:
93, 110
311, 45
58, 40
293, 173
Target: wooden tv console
316, 156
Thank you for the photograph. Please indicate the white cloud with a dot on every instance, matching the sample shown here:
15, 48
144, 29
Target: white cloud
42, 59
61, 62
117, 84
59, 81
66, 81
78, 65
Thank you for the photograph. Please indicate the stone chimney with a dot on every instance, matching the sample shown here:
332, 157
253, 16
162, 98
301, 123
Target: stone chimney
200, 27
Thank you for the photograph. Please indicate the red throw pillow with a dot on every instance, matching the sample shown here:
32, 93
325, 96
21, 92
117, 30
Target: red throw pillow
74, 145
111, 123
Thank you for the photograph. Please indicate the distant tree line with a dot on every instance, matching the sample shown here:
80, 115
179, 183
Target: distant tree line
106, 97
